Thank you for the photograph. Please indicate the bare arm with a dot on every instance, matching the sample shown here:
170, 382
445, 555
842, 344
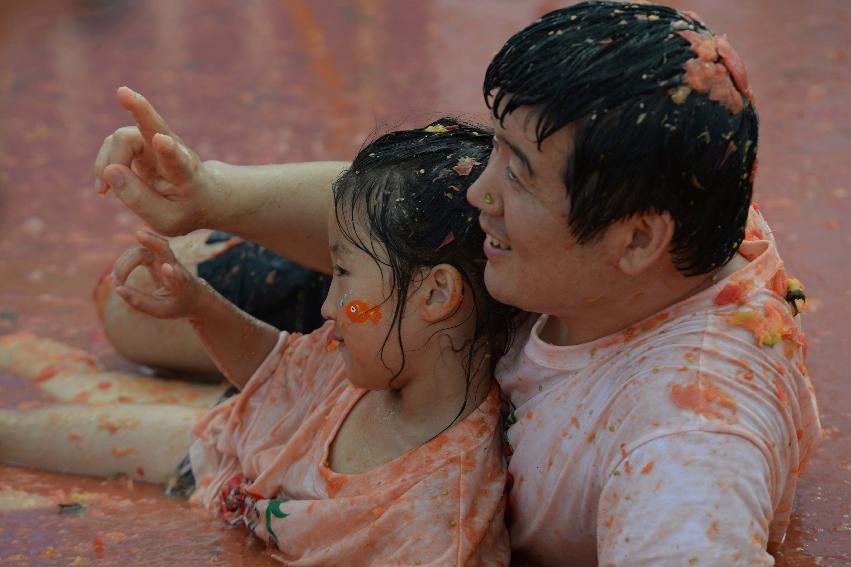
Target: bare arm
282, 207
152, 171
237, 342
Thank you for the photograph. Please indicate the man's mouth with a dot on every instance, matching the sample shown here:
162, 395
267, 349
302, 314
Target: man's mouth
496, 243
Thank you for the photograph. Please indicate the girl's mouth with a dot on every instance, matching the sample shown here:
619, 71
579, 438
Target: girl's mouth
333, 343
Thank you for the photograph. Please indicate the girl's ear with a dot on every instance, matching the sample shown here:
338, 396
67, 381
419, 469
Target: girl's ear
441, 293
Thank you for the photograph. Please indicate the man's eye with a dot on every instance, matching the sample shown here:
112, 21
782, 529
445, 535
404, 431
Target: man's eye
339, 270
511, 177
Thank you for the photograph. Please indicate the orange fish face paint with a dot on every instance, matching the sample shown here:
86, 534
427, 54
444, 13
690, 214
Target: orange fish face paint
359, 311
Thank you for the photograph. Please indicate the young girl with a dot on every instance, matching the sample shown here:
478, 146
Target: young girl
374, 439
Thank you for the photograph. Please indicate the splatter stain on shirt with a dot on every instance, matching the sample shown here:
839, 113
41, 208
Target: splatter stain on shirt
703, 398
709, 401
439, 504
735, 293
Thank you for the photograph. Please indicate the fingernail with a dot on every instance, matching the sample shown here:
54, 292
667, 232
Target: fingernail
114, 178
98, 185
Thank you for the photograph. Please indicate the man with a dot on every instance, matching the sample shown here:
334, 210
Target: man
662, 408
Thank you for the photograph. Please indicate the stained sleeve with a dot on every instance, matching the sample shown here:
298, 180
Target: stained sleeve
693, 498
270, 408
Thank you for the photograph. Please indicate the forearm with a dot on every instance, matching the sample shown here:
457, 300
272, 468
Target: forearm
237, 342
282, 207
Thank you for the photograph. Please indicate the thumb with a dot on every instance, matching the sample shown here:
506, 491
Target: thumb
136, 194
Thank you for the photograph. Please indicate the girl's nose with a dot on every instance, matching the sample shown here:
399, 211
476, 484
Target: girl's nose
328, 310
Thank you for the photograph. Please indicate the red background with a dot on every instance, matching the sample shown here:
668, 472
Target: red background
262, 81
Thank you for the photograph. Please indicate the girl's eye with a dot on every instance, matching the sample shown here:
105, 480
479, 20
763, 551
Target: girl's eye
339, 270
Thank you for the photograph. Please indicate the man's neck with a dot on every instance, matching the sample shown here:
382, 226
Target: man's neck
631, 306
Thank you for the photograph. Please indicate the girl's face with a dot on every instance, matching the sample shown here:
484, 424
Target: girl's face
361, 303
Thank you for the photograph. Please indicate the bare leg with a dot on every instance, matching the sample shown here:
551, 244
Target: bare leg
145, 442
72, 375
170, 344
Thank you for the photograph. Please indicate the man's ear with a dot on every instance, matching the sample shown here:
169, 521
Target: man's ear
441, 293
642, 240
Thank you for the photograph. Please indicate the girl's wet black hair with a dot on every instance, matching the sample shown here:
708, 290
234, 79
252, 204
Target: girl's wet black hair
643, 140
403, 201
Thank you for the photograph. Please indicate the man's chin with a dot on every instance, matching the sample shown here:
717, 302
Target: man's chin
500, 286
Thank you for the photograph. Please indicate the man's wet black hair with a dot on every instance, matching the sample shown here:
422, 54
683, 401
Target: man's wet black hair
644, 139
403, 201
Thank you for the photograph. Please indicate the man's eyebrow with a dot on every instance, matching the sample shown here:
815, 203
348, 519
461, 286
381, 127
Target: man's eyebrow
524, 159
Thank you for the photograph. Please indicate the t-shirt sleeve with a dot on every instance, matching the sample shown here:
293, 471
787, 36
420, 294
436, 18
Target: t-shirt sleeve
273, 403
692, 498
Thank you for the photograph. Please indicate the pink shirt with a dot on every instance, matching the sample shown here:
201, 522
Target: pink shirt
439, 504
678, 441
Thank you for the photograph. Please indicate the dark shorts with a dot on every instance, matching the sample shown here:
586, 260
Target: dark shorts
261, 283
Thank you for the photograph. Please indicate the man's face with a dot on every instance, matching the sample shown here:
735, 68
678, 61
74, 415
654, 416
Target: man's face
533, 261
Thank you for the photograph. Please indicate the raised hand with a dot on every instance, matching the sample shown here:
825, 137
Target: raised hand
177, 292
152, 171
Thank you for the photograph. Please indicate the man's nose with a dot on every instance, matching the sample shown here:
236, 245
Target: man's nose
483, 194
475, 194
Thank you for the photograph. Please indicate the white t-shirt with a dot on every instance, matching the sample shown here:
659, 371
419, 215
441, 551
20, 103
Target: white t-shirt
677, 441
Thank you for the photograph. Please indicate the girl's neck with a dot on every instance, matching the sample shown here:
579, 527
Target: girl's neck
436, 394
385, 424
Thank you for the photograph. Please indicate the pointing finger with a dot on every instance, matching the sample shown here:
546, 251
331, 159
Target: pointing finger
145, 115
